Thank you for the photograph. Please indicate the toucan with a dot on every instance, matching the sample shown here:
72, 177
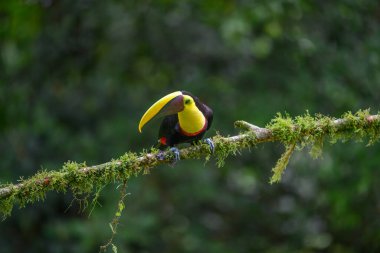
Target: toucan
186, 120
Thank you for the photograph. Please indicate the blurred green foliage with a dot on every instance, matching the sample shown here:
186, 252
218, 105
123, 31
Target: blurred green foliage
75, 77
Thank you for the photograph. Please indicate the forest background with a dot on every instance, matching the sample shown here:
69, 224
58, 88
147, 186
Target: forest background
76, 76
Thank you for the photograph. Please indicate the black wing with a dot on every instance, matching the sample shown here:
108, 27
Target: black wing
168, 128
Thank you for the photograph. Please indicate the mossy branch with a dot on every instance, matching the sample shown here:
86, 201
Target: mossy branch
294, 133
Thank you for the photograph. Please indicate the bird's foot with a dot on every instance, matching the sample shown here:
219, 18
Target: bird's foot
177, 157
161, 155
211, 144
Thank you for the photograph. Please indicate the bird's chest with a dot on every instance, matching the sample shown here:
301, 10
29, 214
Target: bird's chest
191, 122
183, 137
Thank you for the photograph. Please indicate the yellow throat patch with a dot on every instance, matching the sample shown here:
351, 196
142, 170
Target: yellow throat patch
191, 119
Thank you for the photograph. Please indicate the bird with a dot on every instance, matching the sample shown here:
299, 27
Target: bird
185, 120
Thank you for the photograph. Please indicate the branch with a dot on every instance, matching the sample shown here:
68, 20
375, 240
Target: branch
301, 131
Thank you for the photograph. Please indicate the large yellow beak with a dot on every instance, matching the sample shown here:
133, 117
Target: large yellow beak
170, 104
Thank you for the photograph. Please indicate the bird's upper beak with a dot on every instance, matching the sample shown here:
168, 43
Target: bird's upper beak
168, 105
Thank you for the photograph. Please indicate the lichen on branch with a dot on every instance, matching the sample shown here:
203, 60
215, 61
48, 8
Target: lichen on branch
294, 133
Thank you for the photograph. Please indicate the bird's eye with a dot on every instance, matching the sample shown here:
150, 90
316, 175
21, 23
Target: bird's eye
187, 101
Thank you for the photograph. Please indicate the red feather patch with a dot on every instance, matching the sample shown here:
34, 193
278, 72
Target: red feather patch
163, 140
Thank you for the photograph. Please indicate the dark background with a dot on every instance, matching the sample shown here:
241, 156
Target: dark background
76, 76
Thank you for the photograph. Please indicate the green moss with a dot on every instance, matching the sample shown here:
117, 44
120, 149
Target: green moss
373, 131
80, 183
34, 189
356, 127
295, 133
223, 149
73, 176
308, 131
6, 206
71, 166
316, 148
282, 127
129, 165
281, 164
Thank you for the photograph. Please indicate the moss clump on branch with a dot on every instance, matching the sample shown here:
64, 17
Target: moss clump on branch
281, 164
307, 131
6, 206
359, 126
224, 149
78, 177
